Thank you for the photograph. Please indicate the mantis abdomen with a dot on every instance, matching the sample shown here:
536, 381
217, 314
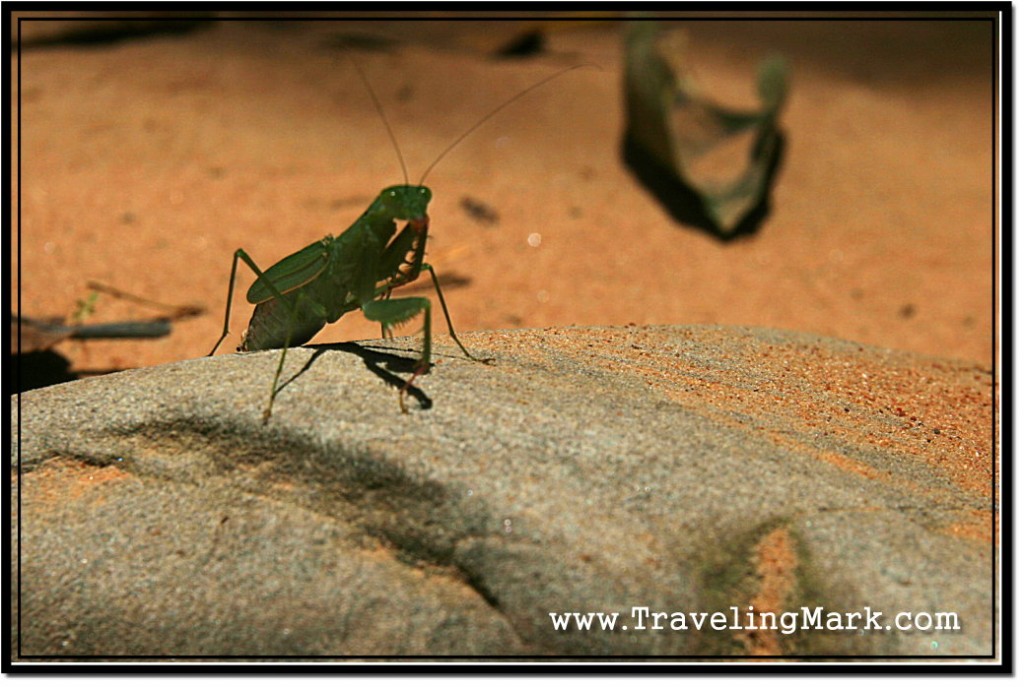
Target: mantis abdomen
289, 321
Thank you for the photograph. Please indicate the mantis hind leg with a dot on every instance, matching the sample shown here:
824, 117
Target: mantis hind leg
242, 255
277, 376
292, 305
393, 312
448, 319
292, 308
231, 293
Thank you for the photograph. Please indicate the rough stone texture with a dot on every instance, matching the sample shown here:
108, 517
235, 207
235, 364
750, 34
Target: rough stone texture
588, 469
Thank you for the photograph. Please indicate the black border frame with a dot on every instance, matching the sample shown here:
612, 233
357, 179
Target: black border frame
1002, 349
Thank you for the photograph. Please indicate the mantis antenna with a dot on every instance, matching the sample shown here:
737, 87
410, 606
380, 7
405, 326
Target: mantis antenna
384, 118
465, 134
495, 111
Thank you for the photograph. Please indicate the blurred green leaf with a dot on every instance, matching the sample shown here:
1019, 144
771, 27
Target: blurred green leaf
689, 138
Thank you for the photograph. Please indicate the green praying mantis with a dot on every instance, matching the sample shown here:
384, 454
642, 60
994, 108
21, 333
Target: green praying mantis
313, 287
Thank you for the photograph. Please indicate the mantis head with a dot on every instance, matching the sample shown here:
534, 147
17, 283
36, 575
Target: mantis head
405, 202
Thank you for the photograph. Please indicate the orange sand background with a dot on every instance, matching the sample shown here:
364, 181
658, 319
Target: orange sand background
147, 162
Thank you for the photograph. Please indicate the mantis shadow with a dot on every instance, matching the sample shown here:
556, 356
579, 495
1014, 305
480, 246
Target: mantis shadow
382, 364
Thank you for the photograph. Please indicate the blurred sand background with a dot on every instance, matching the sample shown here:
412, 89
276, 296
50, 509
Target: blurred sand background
146, 162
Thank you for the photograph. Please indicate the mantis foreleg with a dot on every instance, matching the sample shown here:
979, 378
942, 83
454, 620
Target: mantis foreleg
393, 312
383, 328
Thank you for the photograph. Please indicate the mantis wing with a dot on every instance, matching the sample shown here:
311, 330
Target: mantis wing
297, 270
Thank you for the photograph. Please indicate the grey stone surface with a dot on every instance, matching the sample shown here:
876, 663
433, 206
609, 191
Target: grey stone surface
157, 516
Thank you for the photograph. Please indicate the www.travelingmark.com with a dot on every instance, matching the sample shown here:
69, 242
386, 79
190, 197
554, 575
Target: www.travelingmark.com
734, 619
